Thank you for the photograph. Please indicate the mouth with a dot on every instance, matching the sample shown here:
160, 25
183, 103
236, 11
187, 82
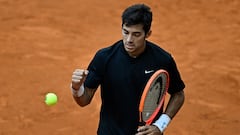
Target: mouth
129, 47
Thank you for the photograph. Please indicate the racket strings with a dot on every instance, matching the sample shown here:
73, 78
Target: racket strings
153, 97
151, 101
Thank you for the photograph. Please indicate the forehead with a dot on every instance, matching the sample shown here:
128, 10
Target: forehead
133, 28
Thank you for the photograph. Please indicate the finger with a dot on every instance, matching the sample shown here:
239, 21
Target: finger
77, 77
142, 128
79, 73
76, 80
144, 133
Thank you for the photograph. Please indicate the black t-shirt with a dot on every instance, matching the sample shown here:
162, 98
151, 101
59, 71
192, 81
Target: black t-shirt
122, 80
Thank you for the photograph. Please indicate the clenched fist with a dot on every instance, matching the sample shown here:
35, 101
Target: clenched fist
78, 77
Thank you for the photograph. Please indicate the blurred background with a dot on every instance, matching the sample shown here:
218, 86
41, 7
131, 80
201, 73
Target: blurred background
43, 41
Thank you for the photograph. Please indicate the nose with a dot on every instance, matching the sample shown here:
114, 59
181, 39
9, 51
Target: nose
130, 38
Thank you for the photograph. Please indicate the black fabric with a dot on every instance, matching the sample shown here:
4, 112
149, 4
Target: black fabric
122, 79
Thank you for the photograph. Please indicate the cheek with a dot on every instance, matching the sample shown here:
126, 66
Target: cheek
140, 40
124, 37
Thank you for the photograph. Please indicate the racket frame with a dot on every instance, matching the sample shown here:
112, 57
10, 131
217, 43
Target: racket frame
144, 95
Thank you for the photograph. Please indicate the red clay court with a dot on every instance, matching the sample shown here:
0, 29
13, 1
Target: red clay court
43, 41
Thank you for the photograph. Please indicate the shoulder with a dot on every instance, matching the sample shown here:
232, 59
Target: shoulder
102, 56
108, 51
157, 51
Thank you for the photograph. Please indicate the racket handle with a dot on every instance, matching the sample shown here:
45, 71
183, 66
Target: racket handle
142, 123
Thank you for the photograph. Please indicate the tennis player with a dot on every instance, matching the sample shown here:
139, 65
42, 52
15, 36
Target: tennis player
122, 71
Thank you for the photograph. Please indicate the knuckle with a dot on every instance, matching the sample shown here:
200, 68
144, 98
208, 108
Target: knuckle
75, 80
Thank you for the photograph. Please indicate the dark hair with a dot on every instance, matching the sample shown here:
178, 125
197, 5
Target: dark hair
138, 14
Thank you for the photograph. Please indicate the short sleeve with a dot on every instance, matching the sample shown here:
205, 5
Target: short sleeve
176, 83
96, 71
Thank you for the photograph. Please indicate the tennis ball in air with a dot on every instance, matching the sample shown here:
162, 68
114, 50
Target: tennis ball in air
51, 99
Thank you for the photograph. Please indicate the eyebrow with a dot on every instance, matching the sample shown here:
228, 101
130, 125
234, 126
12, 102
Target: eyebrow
133, 32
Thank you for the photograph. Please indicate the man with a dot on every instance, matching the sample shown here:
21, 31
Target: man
120, 70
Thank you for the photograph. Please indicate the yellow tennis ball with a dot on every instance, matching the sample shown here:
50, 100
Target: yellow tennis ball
51, 99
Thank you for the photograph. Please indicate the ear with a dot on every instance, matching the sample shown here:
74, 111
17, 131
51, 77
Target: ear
148, 34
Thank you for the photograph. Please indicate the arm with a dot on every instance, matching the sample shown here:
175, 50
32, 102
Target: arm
86, 98
82, 95
175, 103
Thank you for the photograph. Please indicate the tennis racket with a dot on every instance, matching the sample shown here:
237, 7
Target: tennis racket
153, 97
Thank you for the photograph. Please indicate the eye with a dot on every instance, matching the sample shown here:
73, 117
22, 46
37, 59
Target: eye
125, 32
137, 34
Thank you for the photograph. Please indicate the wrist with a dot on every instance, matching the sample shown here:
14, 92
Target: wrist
79, 92
162, 122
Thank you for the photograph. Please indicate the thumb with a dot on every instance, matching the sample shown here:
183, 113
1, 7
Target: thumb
85, 73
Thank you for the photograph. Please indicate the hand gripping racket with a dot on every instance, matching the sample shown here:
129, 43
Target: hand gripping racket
153, 97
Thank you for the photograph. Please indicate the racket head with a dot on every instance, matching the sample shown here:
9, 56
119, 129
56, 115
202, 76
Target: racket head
153, 96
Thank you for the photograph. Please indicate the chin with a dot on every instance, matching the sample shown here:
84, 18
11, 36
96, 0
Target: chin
129, 50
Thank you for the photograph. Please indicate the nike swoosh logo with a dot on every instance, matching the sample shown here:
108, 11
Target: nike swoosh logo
148, 71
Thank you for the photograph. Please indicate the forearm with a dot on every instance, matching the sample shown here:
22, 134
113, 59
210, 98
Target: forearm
175, 103
85, 97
